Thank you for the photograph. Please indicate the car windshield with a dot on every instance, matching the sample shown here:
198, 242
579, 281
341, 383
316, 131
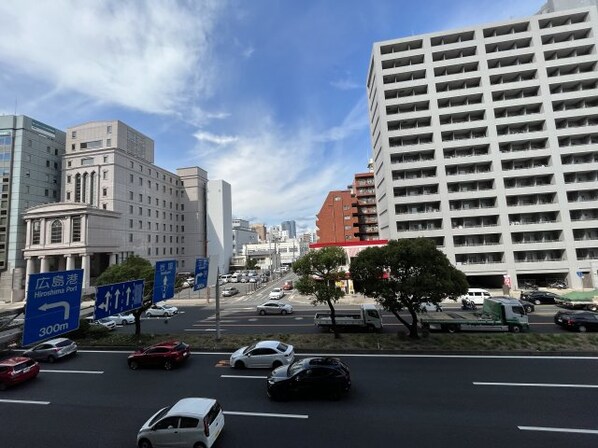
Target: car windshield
104, 320
64, 343
249, 348
282, 347
294, 368
159, 415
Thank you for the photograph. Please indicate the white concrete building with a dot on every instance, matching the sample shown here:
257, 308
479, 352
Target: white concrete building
485, 139
220, 239
115, 203
242, 234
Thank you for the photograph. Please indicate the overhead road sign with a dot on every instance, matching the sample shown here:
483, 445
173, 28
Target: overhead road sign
118, 298
164, 280
53, 305
201, 273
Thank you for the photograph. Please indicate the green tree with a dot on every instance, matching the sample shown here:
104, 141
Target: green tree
406, 273
250, 264
133, 268
318, 272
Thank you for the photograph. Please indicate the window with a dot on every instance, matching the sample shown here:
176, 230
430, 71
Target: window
105, 159
36, 232
131, 178
108, 142
104, 192
130, 237
130, 195
56, 232
109, 129
104, 174
76, 229
74, 134
91, 145
68, 179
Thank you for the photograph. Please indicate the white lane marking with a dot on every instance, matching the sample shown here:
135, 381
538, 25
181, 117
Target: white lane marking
204, 329
266, 414
88, 372
24, 402
244, 376
549, 429
368, 355
580, 386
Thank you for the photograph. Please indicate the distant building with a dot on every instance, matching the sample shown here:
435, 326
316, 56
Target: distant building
364, 191
260, 229
30, 162
219, 223
290, 227
337, 222
242, 234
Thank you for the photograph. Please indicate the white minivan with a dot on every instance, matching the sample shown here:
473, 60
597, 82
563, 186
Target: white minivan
192, 422
476, 295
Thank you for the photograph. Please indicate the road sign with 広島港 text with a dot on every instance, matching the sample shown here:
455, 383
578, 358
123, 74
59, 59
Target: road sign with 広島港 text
53, 305
164, 277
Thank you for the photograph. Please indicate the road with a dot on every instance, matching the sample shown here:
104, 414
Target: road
94, 400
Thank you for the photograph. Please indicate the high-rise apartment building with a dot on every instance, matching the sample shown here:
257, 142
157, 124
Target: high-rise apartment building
485, 139
336, 221
365, 201
30, 162
290, 227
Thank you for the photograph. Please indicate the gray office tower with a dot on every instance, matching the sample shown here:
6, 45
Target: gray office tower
290, 227
485, 139
30, 161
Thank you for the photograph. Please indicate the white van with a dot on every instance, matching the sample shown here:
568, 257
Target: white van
476, 295
189, 422
235, 278
225, 278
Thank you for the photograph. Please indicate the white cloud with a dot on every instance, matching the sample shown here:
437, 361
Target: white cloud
213, 138
139, 55
355, 121
279, 174
247, 52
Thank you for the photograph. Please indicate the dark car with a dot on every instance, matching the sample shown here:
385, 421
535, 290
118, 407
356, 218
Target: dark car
17, 369
581, 321
165, 354
310, 376
527, 306
539, 297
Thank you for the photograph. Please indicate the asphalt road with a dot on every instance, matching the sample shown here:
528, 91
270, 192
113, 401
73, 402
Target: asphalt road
94, 400
241, 318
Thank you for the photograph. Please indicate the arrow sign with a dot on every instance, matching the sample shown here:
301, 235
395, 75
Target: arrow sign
65, 305
201, 273
53, 305
164, 276
126, 296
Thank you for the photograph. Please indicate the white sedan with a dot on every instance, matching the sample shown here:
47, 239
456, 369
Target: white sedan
123, 319
272, 307
103, 322
276, 294
263, 354
161, 311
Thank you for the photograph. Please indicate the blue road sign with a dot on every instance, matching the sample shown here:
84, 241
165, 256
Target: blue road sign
580, 274
118, 298
53, 305
201, 273
164, 280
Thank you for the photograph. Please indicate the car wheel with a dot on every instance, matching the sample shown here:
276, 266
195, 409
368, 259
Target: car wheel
262, 312
168, 365
51, 359
144, 443
582, 329
537, 301
124, 322
528, 309
515, 329
199, 445
593, 308
239, 365
133, 365
283, 312
276, 364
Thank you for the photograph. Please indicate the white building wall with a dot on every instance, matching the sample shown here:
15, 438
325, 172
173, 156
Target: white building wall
483, 139
219, 222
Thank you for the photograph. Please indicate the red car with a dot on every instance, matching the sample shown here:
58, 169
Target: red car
165, 354
17, 369
288, 285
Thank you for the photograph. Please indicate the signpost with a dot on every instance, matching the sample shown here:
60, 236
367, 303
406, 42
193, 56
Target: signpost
201, 273
164, 278
53, 305
118, 298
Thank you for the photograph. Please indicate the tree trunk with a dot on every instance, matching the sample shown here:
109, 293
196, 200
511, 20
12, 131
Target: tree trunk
337, 335
412, 327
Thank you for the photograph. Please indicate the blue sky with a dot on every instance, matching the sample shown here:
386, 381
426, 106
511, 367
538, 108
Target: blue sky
267, 95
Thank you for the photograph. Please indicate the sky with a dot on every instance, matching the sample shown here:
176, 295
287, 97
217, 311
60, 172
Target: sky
268, 95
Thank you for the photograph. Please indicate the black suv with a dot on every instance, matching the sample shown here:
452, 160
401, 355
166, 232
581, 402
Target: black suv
581, 321
310, 376
539, 297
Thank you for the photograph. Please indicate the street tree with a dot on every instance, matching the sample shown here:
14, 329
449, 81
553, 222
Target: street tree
405, 274
318, 272
133, 268
251, 264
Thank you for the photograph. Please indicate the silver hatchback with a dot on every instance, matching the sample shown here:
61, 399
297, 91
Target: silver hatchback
52, 350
